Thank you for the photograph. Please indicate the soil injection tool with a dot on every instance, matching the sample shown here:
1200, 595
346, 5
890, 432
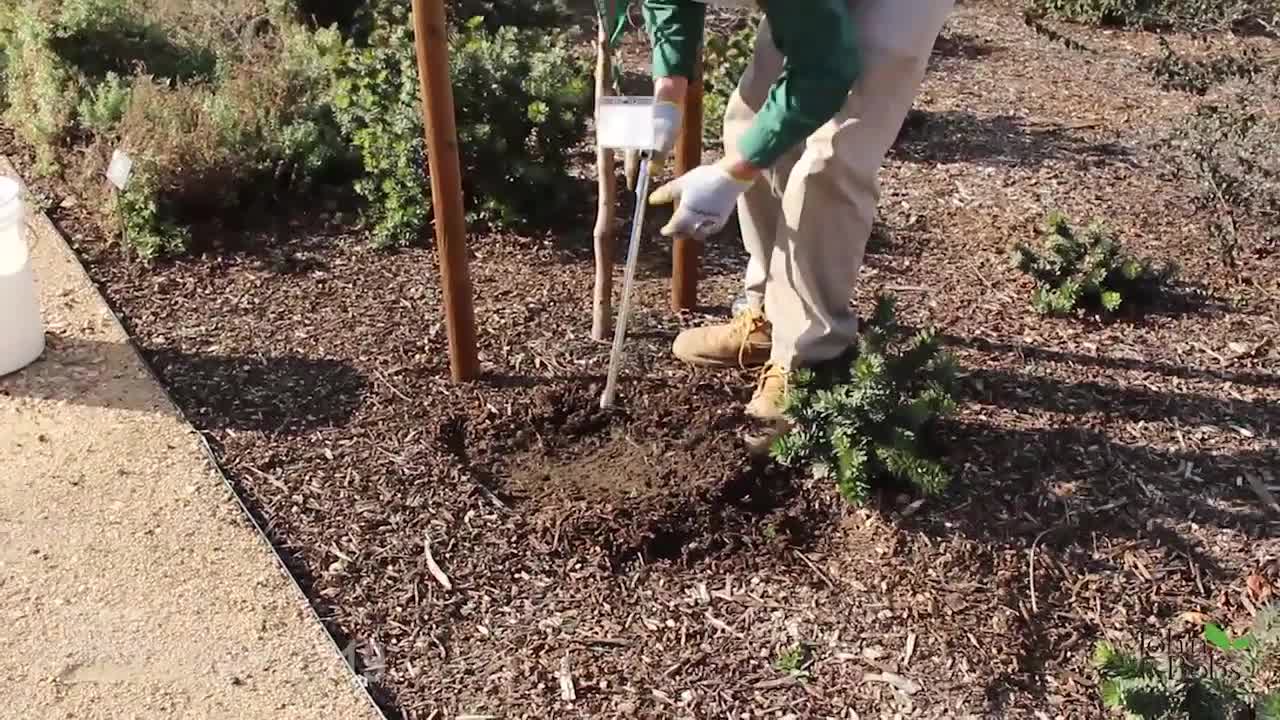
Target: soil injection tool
626, 123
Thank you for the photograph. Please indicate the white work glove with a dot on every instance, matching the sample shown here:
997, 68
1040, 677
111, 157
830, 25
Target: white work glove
705, 198
666, 126
666, 129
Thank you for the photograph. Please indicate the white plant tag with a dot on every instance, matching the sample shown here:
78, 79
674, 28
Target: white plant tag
119, 169
625, 123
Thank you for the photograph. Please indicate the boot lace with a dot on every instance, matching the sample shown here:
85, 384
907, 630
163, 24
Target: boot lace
769, 373
744, 325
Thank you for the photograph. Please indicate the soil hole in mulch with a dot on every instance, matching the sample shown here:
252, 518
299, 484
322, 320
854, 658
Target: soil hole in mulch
678, 486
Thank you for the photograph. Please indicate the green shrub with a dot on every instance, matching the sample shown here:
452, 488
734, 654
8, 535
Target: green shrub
228, 107
498, 14
98, 37
869, 416
1245, 685
1093, 12
142, 227
261, 133
1199, 15
726, 57
6, 42
104, 106
1087, 270
1198, 76
68, 56
522, 101
42, 90
272, 111
375, 101
1032, 18
359, 20
525, 99
182, 165
1227, 149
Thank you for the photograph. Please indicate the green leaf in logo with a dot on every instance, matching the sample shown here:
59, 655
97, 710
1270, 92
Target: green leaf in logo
1217, 637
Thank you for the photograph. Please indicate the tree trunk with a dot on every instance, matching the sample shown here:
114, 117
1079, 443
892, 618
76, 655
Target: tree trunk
606, 184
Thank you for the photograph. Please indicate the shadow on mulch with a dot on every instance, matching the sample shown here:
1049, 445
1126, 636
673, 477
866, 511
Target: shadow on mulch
1093, 516
960, 46
1133, 486
1255, 379
999, 140
1182, 298
276, 394
1022, 392
1098, 465
1121, 522
909, 241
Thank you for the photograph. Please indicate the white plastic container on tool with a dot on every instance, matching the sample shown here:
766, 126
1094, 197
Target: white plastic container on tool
21, 328
625, 122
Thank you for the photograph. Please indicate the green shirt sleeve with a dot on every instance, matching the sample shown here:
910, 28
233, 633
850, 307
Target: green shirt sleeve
816, 38
675, 30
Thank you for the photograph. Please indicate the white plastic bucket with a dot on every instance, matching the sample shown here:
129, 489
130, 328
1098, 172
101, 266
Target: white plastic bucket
21, 329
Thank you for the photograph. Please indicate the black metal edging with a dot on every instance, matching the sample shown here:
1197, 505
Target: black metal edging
7, 167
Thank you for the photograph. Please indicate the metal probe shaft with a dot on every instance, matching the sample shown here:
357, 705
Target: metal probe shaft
624, 312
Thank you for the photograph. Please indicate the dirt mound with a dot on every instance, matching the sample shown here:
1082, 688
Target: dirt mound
643, 486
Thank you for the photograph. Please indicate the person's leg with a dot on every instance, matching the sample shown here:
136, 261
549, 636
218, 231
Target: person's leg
744, 341
760, 208
830, 199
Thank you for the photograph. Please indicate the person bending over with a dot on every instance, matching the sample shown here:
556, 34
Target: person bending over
805, 133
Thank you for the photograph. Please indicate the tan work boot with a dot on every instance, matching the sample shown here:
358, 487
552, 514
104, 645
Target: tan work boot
766, 407
771, 390
744, 342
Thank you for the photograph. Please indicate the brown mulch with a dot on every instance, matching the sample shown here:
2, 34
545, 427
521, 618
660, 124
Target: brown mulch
636, 563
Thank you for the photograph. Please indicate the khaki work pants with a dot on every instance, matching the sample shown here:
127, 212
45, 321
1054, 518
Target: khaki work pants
805, 223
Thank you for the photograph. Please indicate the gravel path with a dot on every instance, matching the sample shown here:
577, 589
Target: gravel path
131, 585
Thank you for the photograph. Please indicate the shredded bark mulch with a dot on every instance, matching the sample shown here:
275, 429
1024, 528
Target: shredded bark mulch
636, 563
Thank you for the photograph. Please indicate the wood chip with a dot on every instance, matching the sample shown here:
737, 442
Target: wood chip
775, 683
433, 567
1140, 567
817, 571
897, 681
1192, 617
910, 649
1248, 604
1239, 350
567, 692
1263, 492
721, 625
1259, 587
609, 641
700, 592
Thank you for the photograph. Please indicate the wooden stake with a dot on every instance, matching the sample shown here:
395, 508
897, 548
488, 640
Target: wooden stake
684, 251
606, 187
432, 44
